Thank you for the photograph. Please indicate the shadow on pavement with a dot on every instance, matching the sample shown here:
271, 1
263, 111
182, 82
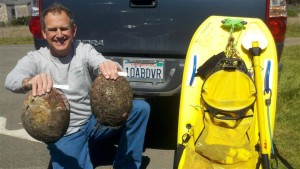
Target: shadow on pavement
163, 123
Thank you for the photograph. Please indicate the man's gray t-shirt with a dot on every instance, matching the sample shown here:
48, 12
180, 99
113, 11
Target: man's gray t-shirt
72, 74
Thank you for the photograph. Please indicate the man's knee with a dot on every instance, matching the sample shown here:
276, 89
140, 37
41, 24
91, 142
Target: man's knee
142, 107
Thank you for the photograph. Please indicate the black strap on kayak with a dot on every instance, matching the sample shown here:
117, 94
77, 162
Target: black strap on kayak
208, 67
177, 155
180, 147
283, 160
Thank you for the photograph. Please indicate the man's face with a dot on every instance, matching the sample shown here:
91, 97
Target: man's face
58, 33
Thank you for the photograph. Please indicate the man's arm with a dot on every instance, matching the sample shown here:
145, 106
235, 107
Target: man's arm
25, 76
25, 68
105, 66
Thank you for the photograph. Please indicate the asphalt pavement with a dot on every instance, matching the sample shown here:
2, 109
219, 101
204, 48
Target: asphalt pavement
19, 151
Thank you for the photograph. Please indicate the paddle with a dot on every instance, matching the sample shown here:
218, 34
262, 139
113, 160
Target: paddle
255, 42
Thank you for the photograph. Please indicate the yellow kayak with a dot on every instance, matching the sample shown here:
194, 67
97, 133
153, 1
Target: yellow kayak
228, 97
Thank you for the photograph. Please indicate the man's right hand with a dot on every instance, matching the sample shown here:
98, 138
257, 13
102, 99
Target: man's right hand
39, 84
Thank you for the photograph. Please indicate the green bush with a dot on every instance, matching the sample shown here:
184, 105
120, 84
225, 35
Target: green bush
2, 24
293, 2
20, 21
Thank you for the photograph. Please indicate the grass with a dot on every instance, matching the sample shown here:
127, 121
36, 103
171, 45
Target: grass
292, 9
293, 30
16, 40
11, 35
287, 124
293, 27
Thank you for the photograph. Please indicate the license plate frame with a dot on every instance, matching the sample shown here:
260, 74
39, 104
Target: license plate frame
144, 70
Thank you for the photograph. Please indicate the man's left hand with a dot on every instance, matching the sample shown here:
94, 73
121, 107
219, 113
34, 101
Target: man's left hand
109, 69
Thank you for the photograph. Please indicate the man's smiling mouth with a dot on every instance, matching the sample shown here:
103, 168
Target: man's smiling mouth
60, 41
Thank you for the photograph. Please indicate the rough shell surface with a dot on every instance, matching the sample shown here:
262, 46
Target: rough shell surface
46, 118
111, 101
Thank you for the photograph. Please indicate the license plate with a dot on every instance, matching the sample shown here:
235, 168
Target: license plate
144, 70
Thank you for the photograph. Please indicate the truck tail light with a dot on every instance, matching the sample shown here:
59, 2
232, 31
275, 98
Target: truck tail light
35, 22
35, 27
276, 19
